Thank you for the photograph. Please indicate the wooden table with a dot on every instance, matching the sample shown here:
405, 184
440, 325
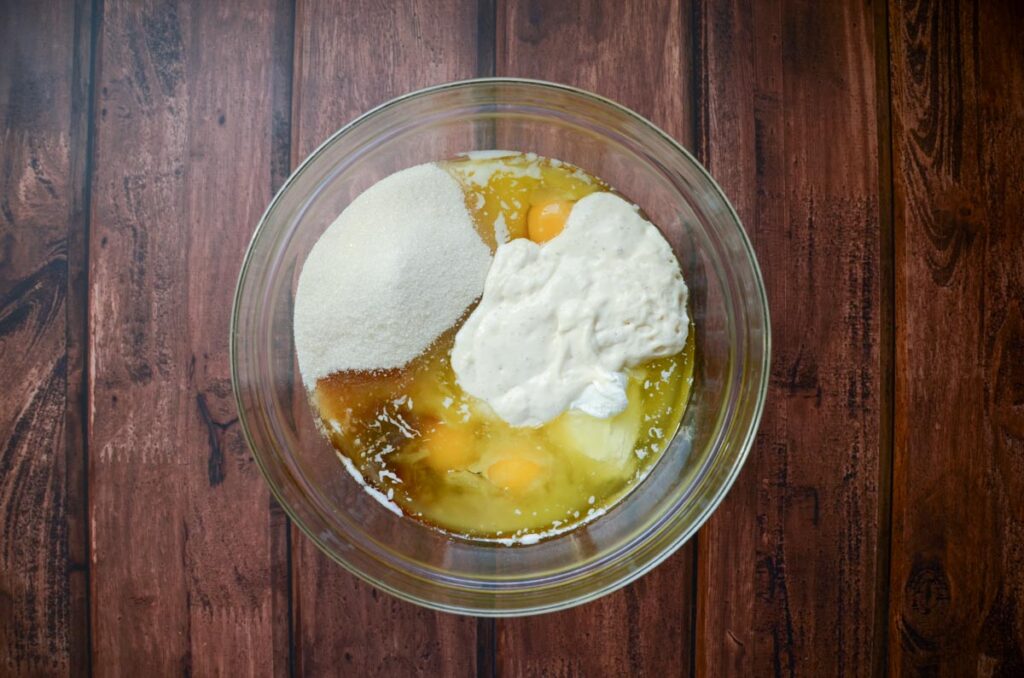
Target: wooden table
875, 154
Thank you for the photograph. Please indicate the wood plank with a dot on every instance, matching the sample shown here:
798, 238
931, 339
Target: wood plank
958, 516
787, 565
346, 63
183, 541
44, 73
640, 54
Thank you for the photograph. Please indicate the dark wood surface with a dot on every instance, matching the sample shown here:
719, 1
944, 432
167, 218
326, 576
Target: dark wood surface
874, 154
957, 573
181, 546
789, 569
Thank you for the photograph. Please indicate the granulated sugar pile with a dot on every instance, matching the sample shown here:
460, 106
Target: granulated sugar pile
395, 270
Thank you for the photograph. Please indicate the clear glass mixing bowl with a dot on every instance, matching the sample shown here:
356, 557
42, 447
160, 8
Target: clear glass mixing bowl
729, 312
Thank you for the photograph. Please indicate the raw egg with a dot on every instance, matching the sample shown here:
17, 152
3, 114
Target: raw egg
547, 219
448, 447
514, 473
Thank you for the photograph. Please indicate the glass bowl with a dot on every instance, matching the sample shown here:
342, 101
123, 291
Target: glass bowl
728, 307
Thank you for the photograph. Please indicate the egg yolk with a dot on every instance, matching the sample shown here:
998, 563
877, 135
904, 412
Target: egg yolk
547, 219
513, 473
448, 447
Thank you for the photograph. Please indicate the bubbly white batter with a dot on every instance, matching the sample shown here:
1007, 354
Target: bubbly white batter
559, 323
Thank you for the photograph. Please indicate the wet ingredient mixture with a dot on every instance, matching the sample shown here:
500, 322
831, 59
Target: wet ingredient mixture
441, 444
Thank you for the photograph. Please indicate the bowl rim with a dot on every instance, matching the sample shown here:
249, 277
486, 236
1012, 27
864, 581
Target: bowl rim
631, 575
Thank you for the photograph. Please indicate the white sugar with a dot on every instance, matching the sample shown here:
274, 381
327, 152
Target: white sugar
395, 270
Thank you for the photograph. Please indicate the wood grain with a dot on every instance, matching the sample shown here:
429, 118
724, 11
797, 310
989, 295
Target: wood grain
958, 516
639, 54
346, 63
44, 73
787, 565
183, 542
